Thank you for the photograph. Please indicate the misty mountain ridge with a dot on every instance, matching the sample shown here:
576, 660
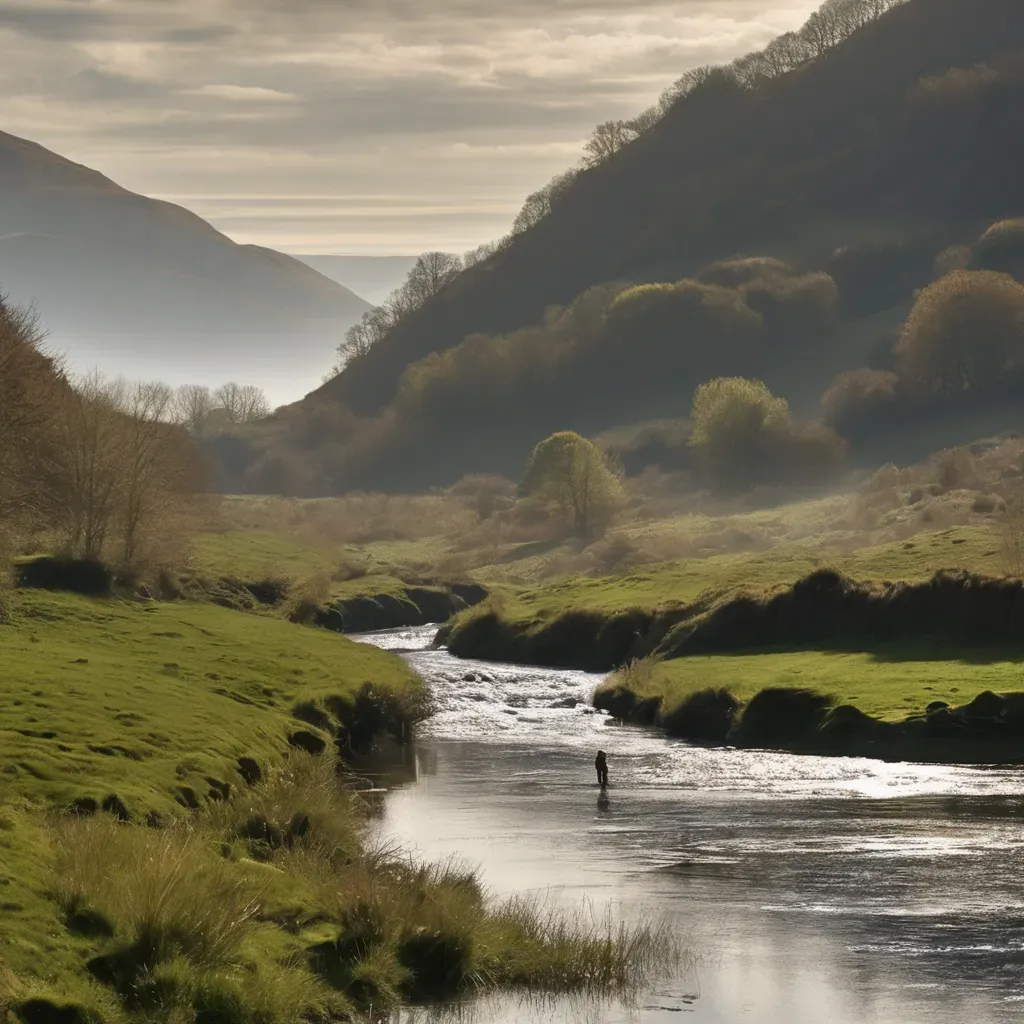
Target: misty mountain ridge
147, 289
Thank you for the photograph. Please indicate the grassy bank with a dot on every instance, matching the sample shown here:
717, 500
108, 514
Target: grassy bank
171, 850
894, 704
154, 703
271, 907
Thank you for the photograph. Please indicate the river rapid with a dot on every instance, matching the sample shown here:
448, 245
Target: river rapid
807, 889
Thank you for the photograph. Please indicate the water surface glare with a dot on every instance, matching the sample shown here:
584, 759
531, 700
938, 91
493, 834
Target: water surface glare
809, 889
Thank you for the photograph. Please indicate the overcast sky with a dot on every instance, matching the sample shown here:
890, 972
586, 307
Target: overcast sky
356, 126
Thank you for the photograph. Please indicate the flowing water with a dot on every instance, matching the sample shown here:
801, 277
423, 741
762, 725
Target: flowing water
808, 889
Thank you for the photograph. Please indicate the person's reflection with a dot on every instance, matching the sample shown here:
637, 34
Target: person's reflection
603, 803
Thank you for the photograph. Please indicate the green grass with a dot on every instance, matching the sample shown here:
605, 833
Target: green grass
680, 581
259, 905
889, 683
269, 909
260, 554
142, 699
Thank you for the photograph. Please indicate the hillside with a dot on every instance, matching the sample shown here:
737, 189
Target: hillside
821, 158
788, 226
147, 289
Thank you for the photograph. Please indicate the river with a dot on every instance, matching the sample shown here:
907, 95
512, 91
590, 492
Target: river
808, 889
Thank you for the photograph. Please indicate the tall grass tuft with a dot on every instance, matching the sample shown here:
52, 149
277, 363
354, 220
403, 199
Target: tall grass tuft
274, 907
544, 949
164, 893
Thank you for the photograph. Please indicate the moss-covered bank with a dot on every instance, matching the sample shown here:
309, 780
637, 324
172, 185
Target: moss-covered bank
987, 730
822, 610
885, 650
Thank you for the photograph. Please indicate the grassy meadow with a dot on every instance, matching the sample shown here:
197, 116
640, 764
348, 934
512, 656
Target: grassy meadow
168, 854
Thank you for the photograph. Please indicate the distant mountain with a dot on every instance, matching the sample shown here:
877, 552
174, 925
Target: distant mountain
147, 289
372, 277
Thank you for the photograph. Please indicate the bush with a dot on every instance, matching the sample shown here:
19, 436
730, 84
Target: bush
731, 413
965, 333
1001, 249
746, 437
880, 273
798, 307
745, 270
861, 403
307, 598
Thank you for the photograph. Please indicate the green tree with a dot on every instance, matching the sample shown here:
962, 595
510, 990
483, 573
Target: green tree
732, 420
732, 412
965, 332
573, 479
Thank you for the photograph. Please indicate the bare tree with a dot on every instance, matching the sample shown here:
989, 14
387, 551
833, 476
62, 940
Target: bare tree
431, 273
28, 382
607, 140
83, 470
480, 253
191, 407
151, 463
540, 203
242, 403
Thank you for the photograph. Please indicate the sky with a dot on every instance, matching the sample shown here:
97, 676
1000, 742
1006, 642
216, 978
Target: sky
351, 126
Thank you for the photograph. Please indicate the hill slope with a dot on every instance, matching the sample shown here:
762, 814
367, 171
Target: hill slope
814, 160
147, 289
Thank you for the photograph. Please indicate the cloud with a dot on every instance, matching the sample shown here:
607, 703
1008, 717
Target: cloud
419, 99
243, 93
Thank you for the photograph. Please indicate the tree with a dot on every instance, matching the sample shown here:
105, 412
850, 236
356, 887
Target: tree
431, 273
157, 467
540, 203
571, 477
731, 416
85, 465
191, 407
242, 403
30, 387
481, 253
786, 53
965, 332
607, 139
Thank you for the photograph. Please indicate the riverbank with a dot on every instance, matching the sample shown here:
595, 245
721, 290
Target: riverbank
826, 665
175, 843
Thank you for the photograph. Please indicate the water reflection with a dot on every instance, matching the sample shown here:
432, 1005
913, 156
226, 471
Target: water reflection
809, 889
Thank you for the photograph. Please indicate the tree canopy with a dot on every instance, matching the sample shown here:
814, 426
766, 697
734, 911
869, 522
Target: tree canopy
572, 478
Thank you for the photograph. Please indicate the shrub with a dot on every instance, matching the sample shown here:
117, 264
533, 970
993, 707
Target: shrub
1001, 249
879, 273
730, 413
861, 403
746, 437
745, 270
964, 333
951, 259
307, 598
797, 307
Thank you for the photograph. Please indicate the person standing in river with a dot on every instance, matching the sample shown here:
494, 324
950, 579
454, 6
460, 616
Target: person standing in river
601, 764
